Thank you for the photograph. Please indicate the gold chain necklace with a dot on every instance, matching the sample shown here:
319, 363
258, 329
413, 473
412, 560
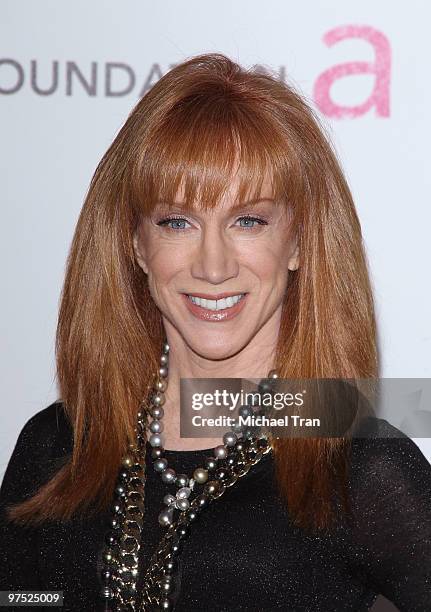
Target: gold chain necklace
119, 559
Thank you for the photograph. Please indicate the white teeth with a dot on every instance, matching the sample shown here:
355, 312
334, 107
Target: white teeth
217, 304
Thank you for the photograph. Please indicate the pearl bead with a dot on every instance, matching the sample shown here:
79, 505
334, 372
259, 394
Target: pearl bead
182, 531
220, 452
168, 578
169, 499
160, 385
165, 348
200, 502
164, 359
182, 504
156, 427
155, 440
156, 453
166, 604
230, 438
169, 476
191, 514
120, 490
165, 517
157, 412
211, 487
176, 547
170, 566
210, 463
166, 586
106, 575
200, 475
163, 371
183, 492
245, 411
265, 387
111, 537
222, 473
158, 399
231, 459
160, 464
108, 556
182, 480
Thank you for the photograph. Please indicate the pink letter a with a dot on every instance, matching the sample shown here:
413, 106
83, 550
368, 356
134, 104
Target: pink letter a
381, 68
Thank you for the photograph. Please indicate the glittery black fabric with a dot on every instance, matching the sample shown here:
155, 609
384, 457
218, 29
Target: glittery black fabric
243, 554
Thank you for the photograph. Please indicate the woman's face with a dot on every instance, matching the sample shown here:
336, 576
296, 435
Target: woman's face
218, 252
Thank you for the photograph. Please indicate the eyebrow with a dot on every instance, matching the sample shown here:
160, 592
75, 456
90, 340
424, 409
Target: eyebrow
238, 205
251, 202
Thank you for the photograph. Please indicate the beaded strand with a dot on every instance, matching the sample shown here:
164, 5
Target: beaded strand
119, 558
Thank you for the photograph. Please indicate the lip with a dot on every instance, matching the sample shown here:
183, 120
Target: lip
218, 296
215, 315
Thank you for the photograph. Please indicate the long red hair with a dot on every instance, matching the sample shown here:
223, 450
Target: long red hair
192, 127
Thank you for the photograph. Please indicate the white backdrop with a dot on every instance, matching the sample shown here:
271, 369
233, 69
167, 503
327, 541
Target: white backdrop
71, 71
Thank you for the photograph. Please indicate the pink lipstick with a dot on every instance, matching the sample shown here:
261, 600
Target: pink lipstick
214, 315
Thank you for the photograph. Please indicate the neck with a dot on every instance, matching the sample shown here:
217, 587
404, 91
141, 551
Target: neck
254, 361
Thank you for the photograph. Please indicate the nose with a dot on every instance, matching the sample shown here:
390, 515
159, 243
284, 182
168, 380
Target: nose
215, 259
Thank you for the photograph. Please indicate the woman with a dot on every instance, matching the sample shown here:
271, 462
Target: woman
221, 186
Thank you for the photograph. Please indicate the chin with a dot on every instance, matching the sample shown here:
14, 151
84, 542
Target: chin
216, 345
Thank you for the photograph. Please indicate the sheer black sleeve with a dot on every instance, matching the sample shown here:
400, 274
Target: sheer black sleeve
391, 532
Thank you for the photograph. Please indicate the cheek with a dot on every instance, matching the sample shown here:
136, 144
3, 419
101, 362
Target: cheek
164, 264
268, 260
160, 268
270, 265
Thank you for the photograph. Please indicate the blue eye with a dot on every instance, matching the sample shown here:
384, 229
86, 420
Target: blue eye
252, 219
180, 220
165, 222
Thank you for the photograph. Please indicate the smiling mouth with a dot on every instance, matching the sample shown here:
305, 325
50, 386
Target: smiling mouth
215, 311
216, 305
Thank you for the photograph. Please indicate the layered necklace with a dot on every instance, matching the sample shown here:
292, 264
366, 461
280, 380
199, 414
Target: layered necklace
119, 559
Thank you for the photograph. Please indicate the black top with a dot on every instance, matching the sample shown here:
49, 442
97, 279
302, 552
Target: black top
243, 554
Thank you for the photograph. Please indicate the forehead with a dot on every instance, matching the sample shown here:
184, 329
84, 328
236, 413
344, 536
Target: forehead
230, 198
